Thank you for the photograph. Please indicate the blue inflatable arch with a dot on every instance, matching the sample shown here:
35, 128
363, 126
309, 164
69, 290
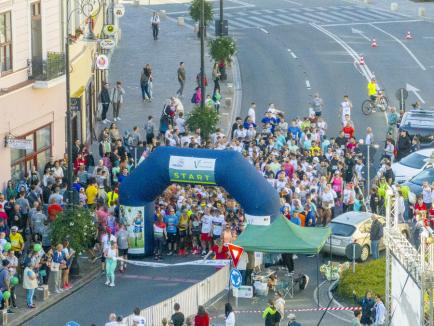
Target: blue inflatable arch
227, 169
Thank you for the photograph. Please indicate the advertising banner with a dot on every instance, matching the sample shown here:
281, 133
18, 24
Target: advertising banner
133, 218
193, 170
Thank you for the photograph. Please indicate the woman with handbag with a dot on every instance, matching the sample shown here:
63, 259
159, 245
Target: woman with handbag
111, 256
30, 283
58, 263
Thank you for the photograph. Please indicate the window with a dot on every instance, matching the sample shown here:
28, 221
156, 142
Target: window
343, 230
5, 42
414, 160
21, 160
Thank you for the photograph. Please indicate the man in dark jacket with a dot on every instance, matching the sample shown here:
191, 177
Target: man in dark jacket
375, 235
105, 101
404, 145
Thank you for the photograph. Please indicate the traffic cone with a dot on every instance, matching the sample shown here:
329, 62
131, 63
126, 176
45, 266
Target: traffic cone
373, 43
408, 36
362, 60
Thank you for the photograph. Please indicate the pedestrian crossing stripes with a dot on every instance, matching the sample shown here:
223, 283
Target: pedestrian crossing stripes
259, 18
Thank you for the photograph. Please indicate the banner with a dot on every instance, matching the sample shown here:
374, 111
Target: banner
133, 218
193, 170
201, 262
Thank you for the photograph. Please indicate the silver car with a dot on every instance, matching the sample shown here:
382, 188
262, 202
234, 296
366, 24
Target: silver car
355, 227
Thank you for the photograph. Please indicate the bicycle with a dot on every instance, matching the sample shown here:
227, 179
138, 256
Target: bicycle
381, 101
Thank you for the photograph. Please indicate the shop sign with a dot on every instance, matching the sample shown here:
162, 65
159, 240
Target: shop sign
75, 104
102, 62
107, 44
119, 10
18, 143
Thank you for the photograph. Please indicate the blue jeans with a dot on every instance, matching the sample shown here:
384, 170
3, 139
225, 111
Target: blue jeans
374, 249
29, 296
145, 90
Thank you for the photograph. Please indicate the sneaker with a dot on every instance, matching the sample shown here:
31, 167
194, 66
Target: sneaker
112, 284
203, 253
115, 119
10, 311
58, 291
107, 283
31, 306
169, 253
119, 119
294, 257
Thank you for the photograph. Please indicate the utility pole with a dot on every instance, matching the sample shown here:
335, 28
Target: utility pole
202, 54
221, 18
68, 123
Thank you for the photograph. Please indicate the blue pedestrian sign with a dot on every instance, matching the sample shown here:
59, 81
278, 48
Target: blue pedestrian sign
72, 323
236, 278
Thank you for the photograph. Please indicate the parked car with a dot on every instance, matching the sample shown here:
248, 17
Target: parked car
412, 164
419, 123
353, 227
415, 183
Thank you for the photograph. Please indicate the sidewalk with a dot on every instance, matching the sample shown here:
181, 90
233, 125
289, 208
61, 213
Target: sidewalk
88, 272
137, 48
406, 7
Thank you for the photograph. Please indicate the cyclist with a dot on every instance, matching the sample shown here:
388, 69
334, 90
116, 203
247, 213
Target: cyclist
372, 89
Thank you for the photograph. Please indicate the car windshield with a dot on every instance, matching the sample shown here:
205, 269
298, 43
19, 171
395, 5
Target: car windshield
425, 175
343, 230
414, 160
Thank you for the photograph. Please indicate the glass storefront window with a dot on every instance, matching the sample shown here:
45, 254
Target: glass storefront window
43, 138
30, 151
42, 159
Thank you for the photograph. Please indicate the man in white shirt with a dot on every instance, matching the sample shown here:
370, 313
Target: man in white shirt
137, 319
112, 320
251, 113
345, 109
369, 139
155, 22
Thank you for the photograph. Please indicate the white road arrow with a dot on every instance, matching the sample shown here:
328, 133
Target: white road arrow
411, 88
356, 31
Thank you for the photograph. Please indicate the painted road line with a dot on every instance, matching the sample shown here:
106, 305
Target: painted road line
292, 54
315, 17
293, 2
264, 30
307, 84
373, 22
415, 91
280, 20
264, 21
248, 22
402, 44
356, 31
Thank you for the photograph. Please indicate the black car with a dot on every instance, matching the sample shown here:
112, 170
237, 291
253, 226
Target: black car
419, 123
415, 183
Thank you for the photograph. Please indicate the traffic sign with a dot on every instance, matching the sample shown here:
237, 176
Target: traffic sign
236, 252
119, 10
244, 291
236, 278
401, 93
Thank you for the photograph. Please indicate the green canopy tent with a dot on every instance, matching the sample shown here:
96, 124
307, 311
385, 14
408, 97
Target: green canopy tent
283, 236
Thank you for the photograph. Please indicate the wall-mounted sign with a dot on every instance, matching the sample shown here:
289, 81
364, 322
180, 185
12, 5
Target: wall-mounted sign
17, 143
75, 103
107, 44
110, 29
102, 62
119, 10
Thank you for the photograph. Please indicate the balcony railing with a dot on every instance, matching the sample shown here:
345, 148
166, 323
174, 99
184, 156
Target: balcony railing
48, 69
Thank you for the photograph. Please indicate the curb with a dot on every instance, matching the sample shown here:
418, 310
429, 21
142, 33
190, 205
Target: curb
238, 94
21, 319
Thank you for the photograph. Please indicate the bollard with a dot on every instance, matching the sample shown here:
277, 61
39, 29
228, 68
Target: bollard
181, 21
41, 293
394, 6
421, 11
3, 317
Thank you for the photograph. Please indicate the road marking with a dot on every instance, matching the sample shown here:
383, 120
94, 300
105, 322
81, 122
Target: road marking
263, 21
374, 22
293, 2
402, 44
264, 30
356, 31
429, 37
292, 54
415, 91
307, 84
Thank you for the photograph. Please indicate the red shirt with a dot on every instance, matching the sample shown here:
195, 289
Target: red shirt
419, 207
201, 320
3, 215
348, 131
53, 210
223, 254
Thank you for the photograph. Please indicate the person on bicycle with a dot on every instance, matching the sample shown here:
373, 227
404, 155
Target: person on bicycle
372, 89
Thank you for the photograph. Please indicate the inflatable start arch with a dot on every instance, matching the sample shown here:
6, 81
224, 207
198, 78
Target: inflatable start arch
227, 169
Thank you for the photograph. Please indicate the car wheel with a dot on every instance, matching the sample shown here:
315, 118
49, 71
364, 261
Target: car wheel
365, 253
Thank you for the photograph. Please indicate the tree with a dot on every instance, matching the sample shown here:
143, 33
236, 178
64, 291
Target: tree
195, 8
206, 120
222, 49
77, 225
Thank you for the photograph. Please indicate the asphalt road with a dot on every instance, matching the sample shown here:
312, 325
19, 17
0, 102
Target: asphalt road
138, 287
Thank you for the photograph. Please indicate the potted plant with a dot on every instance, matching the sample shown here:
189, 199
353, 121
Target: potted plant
76, 225
222, 50
195, 10
206, 120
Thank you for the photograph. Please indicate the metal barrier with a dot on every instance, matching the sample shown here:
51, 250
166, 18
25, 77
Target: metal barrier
189, 299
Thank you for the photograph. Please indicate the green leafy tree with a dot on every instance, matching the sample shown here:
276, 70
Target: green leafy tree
195, 8
77, 225
222, 48
206, 119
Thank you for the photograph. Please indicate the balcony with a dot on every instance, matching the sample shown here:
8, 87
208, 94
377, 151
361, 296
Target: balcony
49, 72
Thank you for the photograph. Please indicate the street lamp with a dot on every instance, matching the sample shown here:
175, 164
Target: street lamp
202, 53
86, 8
221, 18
